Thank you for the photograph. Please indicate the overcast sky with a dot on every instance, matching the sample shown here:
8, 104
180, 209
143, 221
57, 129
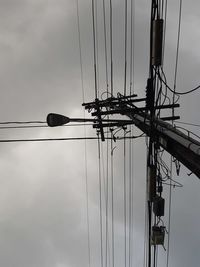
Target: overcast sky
43, 220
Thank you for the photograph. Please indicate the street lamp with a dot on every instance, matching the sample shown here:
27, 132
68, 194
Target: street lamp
54, 120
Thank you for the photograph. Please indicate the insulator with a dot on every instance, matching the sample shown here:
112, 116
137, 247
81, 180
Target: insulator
157, 42
159, 206
151, 182
158, 235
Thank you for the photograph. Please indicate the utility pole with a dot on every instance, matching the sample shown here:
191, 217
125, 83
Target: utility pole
155, 61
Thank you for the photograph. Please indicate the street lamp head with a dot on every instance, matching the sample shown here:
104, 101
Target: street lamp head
54, 120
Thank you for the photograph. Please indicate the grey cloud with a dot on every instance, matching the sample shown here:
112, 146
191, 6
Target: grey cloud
42, 186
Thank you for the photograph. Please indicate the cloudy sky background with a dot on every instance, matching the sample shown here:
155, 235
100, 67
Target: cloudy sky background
42, 185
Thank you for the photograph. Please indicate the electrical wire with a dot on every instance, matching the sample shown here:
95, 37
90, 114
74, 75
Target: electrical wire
162, 8
175, 92
156, 264
177, 54
43, 126
165, 96
132, 50
131, 91
130, 197
100, 203
187, 123
188, 92
107, 200
154, 256
107, 93
125, 197
189, 133
176, 184
80, 50
111, 48
164, 31
97, 45
22, 122
169, 211
85, 143
48, 139
94, 50
165, 79
125, 48
112, 203
105, 47
104, 188
87, 206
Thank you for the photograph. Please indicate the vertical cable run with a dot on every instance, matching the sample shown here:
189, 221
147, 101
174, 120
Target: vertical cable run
177, 53
105, 45
125, 48
85, 143
125, 243
111, 49
112, 205
100, 204
107, 193
130, 198
105, 180
80, 51
132, 46
94, 50
97, 45
104, 193
165, 27
131, 133
107, 90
